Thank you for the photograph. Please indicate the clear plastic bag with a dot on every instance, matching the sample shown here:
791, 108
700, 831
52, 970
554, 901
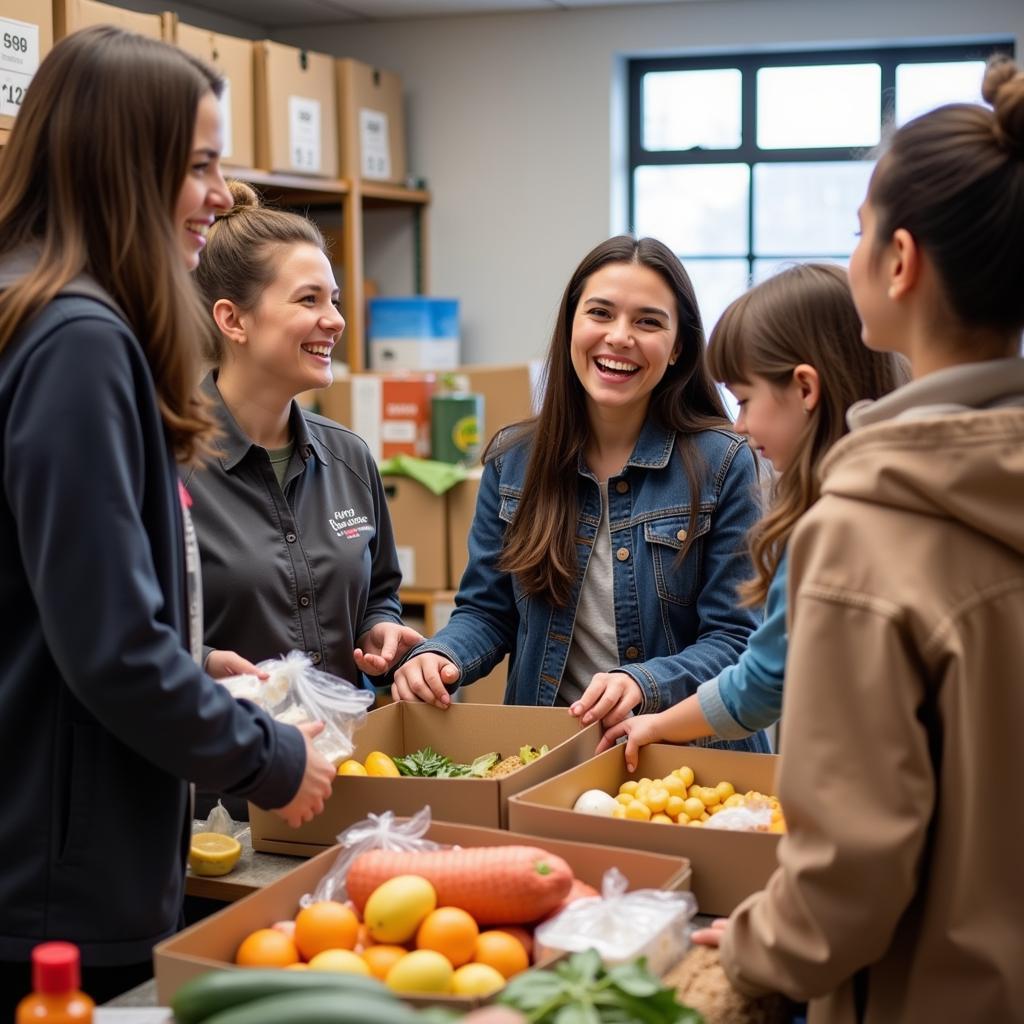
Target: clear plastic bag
295, 693
221, 822
750, 817
622, 925
377, 832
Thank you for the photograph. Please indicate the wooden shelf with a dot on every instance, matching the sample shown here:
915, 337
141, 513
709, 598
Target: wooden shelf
4, 134
375, 192
432, 602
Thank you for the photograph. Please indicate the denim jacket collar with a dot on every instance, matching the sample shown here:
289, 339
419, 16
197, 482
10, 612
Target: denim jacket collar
652, 450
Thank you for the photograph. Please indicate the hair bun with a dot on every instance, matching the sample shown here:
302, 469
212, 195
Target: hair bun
1003, 87
244, 197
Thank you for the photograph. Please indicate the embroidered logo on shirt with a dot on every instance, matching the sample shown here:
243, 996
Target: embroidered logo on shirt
346, 523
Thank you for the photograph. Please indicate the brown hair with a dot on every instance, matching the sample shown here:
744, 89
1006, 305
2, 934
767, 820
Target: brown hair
954, 179
91, 176
801, 315
540, 544
239, 259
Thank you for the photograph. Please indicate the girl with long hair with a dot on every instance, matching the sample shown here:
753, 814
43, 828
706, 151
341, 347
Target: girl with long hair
608, 536
790, 352
108, 184
898, 891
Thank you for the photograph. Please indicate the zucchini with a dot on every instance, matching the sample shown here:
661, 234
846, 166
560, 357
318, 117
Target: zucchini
219, 990
325, 1006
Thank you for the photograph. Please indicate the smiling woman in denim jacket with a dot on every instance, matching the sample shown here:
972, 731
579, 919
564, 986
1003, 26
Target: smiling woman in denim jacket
609, 532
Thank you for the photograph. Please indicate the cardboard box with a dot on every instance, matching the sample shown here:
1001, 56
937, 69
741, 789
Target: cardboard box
461, 509
414, 332
296, 110
418, 520
727, 866
210, 945
26, 37
462, 732
390, 412
512, 393
232, 59
372, 123
71, 15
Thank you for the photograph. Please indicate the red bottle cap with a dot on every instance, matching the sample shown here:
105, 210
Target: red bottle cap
55, 968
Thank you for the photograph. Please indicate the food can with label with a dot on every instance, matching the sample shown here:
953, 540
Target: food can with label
456, 427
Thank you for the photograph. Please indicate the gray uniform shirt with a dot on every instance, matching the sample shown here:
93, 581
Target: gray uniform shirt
309, 565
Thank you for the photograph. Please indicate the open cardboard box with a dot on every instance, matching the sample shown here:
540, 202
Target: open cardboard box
462, 732
727, 866
210, 944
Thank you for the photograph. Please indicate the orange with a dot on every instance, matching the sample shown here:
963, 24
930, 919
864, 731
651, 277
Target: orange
266, 948
450, 931
501, 951
381, 959
325, 925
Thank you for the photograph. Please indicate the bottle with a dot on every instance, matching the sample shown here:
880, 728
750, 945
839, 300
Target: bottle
55, 979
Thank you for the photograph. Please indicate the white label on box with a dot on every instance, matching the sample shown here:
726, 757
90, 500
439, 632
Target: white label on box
367, 402
376, 147
414, 354
19, 59
304, 133
407, 563
227, 144
398, 431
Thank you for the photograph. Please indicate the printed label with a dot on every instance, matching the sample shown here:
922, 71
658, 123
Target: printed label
304, 133
376, 147
19, 59
398, 431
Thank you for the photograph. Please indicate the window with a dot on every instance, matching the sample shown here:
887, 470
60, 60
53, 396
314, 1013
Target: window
748, 164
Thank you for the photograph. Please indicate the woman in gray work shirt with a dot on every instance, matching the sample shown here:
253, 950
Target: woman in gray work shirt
294, 533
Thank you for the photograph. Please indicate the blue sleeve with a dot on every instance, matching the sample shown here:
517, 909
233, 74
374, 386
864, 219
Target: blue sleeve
75, 466
482, 629
724, 627
747, 696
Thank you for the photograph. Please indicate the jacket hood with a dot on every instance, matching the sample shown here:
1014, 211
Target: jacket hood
966, 467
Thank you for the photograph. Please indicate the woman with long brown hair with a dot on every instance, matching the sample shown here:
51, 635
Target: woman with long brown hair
107, 185
790, 352
608, 537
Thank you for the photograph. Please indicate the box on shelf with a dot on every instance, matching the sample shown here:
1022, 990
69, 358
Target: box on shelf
390, 412
232, 59
210, 945
372, 123
26, 37
296, 110
462, 732
71, 15
415, 332
461, 509
511, 392
418, 521
727, 866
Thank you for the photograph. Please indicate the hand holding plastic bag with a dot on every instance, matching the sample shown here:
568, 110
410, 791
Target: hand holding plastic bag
377, 832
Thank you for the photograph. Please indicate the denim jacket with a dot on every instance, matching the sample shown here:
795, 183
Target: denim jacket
676, 626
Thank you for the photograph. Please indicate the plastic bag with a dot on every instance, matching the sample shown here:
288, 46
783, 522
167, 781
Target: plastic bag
221, 822
622, 925
746, 818
377, 832
296, 693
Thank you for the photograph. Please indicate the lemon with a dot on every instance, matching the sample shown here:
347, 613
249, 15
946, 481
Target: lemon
343, 960
674, 785
477, 980
396, 907
693, 807
662, 819
380, 765
629, 786
725, 790
685, 775
676, 805
421, 971
656, 799
213, 854
351, 767
637, 811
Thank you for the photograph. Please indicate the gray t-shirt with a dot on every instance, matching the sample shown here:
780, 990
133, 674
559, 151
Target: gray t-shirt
594, 643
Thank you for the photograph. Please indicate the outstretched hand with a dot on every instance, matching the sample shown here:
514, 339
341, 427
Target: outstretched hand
384, 644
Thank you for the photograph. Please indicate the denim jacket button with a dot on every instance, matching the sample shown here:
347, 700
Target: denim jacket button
632, 652
681, 535
622, 554
622, 487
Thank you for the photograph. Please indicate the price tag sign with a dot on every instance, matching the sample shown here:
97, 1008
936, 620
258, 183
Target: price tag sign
376, 148
19, 59
304, 133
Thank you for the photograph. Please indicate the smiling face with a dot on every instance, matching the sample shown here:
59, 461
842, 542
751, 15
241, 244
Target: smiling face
623, 336
203, 192
289, 335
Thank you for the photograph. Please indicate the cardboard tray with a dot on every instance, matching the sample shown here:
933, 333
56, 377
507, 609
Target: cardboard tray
727, 866
462, 732
210, 944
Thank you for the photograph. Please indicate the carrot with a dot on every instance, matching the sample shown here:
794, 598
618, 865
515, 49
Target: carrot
496, 884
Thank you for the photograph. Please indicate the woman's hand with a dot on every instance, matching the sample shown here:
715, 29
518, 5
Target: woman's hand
609, 699
711, 936
316, 784
423, 678
224, 664
639, 731
384, 644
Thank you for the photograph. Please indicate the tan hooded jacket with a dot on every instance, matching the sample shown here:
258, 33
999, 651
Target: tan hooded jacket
900, 892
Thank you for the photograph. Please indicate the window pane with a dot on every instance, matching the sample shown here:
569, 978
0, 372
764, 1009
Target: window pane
806, 208
923, 87
684, 109
827, 105
699, 209
717, 283
763, 269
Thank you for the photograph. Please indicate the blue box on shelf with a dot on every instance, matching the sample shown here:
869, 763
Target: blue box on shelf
416, 332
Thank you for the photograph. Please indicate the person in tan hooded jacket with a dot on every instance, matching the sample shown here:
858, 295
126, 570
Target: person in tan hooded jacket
899, 896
